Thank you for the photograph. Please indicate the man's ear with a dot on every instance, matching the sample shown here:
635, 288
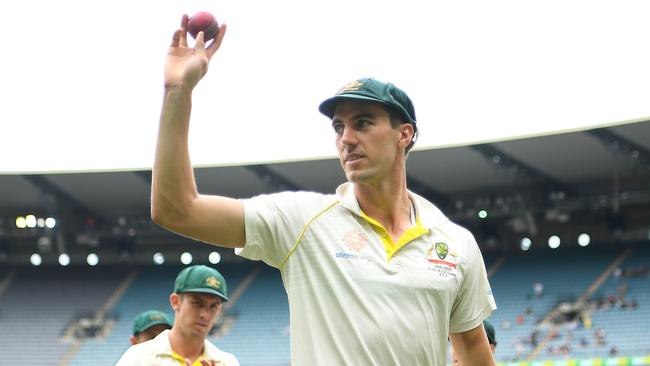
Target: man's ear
134, 340
407, 133
174, 301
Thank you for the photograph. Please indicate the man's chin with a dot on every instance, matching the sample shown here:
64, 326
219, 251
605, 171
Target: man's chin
355, 176
200, 331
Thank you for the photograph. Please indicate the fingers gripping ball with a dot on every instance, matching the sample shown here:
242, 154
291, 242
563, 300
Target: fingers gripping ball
203, 21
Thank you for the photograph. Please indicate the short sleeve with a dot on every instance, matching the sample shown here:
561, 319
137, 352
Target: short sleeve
274, 222
474, 301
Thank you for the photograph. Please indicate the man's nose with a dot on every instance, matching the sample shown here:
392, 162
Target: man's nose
349, 137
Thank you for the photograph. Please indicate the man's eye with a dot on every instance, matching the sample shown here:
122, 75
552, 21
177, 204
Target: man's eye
338, 128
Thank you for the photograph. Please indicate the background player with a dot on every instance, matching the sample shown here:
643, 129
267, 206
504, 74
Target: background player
148, 324
198, 294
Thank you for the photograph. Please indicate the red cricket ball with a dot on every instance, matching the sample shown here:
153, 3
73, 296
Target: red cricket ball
203, 21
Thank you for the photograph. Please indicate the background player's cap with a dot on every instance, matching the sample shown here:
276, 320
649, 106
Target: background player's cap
200, 278
148, 319
489, 330
373, 90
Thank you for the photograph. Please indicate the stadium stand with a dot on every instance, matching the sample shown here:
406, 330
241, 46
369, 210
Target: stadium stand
262, 324
150, 290
39, 304
616, 317
565, 275
255, 323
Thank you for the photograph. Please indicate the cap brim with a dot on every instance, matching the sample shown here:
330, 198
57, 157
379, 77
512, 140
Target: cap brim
207, 291
328, 106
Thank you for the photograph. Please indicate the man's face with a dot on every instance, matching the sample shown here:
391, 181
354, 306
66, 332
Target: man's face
368, 146
195, 312
149, 333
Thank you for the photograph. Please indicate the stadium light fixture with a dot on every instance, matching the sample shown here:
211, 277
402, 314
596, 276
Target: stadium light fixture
483, 214
186, 258
525, 243
40, 222
21, 222
554, 241
64, 259
584, 239
214, 257
158, 259
50, 223
30, 220
92, 259
35, 259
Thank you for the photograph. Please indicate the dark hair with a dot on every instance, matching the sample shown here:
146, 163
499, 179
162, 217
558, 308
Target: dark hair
396, 120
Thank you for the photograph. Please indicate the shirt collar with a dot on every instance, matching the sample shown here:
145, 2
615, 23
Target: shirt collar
163, 342
429, 215
164, 347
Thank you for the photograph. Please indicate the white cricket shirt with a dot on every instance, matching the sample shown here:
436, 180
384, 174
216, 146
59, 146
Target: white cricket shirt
355, 296
158, 352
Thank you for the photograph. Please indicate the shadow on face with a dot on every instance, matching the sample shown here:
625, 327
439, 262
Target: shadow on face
195, 312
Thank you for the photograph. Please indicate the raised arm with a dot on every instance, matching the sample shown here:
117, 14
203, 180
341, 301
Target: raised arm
472, 347
175, 202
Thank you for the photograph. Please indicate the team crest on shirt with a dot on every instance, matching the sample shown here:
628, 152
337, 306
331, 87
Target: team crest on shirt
439, 253
442, 249
442, 260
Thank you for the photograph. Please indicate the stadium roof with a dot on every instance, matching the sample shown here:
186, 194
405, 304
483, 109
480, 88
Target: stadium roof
596, 181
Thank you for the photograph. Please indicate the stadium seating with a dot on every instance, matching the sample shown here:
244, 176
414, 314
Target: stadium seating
40, 302
623, 327
150, 290
263, 323
565, 275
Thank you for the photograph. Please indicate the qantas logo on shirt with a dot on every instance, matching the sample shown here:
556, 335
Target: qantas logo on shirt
346, 255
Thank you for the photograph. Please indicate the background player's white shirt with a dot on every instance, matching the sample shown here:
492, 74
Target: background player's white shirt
350, 303
158, 352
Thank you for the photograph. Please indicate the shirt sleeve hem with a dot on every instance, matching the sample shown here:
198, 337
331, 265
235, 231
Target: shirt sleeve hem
469, 325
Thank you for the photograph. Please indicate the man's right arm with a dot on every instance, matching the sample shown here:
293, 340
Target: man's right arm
175, 202
472, 347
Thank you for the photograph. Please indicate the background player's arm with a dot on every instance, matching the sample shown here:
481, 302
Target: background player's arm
472, 347
175, 202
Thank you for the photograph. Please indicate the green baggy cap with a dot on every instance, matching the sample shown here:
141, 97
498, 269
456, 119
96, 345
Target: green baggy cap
375, 91
148, 319
203, 279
